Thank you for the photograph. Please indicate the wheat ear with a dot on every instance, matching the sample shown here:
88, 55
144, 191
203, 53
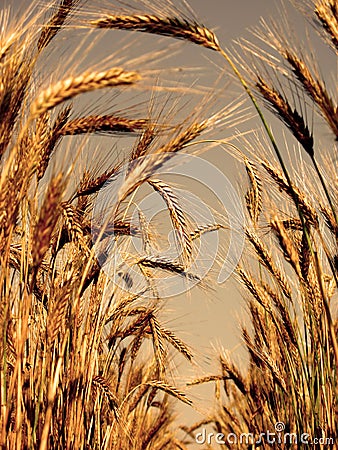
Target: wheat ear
292, 119
165, 26
54, 25
328, 17
267, 259
177, 217
315, 89
69, 88
102, 124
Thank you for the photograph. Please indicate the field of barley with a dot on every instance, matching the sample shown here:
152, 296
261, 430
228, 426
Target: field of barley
141, 181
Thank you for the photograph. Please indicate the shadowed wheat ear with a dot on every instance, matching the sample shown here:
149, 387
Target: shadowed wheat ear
144, 168
53, 137
57, 310
144, 142
288, 328
159, 349
145, 232
100, 384
255, 289
103, 124
177, 343
54, 25
293, 192
327, 14
69, 88
203, 229
292, 119
231, 372
91, 184
296, 124
315, 88
165, 26
205, 379
142, 389
263, 359
187, 135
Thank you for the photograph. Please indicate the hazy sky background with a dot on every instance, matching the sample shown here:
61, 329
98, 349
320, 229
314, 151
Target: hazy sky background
201, 319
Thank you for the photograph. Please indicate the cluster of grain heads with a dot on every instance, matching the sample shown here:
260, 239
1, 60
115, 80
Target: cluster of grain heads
292, 370
77, 370
290, 279
73, 371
